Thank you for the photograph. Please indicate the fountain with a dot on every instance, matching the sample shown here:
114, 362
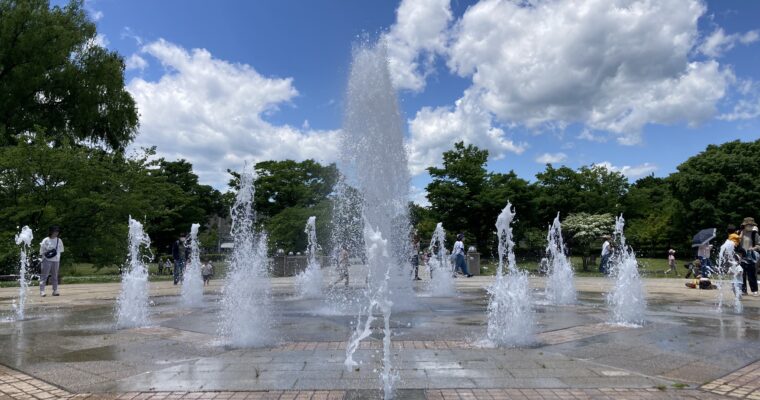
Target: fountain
728, 265
627, 296
192, 282
374, 162
441, 274
560, 283
511, 321
309, 282
246, 304
23, 240
132, 304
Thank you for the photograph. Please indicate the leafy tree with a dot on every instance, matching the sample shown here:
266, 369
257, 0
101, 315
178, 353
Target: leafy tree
56, 81
653, 217
463, 195
591, 189
717, 187
585, 231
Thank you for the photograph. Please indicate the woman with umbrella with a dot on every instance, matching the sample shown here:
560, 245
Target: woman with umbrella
702, 242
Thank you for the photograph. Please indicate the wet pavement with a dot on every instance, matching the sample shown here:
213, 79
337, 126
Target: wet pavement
685, 347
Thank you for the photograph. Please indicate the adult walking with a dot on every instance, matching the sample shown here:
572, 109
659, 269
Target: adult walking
749, 245
343, 264
50, 251
460, 262
180, 252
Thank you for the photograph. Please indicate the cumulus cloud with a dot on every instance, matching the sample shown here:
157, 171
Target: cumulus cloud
586, 134
419, 196
718, 42
413, 41
612, 65
135, 61
211, 112
434, 130
632, 172
551, 158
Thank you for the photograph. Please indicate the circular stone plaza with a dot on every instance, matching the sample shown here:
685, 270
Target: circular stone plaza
69, 347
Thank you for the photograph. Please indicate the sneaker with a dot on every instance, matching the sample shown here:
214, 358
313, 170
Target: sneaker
56, 294
42, 294
469, 275
755, 294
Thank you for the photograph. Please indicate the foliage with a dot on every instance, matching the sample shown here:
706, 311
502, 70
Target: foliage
585, 232
56, 81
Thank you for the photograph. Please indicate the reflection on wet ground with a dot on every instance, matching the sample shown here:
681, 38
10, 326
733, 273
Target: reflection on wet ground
78, 348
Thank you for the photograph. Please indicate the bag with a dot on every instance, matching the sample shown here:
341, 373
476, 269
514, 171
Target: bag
53, 252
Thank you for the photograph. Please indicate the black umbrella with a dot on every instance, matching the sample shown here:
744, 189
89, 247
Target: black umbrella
704, 236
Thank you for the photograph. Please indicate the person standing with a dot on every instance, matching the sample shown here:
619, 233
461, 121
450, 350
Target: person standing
606, 254
703, 254
749, 245
459, 258
180, 252
207, 270
50, 251
416, 258
342, 266
671, 261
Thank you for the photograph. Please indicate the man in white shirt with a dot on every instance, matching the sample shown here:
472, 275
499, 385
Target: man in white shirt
50, 251
606, 253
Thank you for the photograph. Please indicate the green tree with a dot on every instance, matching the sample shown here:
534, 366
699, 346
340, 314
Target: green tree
466, 198
591, 189
585, 232
56, 81
717, 187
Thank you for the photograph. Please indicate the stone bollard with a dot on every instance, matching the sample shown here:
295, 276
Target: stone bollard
473, 262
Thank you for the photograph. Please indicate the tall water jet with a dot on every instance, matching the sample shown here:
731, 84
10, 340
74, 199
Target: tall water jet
728, 265
442, 279
374, 162
192, 282
246, 304
627, 296
309, 281
560, 282
511, 321
132, 304
23, 240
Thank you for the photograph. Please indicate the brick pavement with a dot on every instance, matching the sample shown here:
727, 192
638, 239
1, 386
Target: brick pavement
741, 384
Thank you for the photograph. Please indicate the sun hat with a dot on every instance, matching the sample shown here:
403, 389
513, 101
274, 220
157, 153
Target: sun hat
749, 221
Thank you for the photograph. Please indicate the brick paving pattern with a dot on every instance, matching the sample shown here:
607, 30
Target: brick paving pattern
546, 394
17, 385
741, 384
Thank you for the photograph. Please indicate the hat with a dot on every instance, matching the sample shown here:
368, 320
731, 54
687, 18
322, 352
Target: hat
749, 221
671, 251
606, 237
460, 236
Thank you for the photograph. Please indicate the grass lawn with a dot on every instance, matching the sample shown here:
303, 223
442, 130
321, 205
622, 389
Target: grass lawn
648, 267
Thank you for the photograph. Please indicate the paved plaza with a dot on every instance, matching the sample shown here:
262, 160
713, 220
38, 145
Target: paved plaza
68, 347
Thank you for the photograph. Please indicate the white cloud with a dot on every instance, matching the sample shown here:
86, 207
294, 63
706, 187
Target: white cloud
89, 6
747, 106
135, 61
718, 43
586, 134
612, 65
435, 130
631, 172
549, 158
101, 40
413, 41
210, 112
419, 196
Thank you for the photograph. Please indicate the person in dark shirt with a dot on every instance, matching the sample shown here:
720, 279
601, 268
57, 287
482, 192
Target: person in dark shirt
180, 253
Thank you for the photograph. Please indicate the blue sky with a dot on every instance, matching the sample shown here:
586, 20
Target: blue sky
637, 91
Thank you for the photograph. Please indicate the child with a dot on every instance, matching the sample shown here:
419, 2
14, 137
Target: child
671, 261
207, 271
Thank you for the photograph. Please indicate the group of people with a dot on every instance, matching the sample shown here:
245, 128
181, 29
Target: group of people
181, 254
458, 258
744, 258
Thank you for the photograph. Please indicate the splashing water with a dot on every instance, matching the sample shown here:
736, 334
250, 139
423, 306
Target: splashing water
309, 282
373, 160
192, 282
442, 279
246, 305
728, 265
511, 321
560, 284
23, 240
627, 296
132, 304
